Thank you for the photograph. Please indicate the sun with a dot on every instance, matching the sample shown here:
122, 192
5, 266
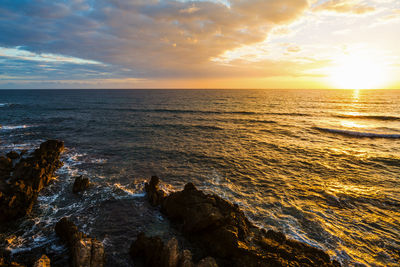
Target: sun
356, 72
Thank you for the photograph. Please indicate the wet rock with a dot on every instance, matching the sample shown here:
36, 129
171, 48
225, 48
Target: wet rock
88, 252
68, 232
5, 259
5, 167
207, 262
185, 259
13, 155
154, 193
84, 251
44, 261
81, 183
221, 230
21, 184
157, 253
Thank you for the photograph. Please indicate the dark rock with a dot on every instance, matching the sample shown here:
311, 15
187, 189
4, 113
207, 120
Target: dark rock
207, 262
68, 232
223, 231
156, 253
81, 183
13, 155
21, 184
5, 167
5, 259
185, 259
84, 251
154, 193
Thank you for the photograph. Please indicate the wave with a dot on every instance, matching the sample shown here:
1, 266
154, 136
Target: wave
14, 127
183, 126
358, 134
190, 111
369, 117
6, 105
260, 121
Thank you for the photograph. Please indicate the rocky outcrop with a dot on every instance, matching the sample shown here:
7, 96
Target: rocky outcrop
44, 261
222, 231
5, 260
84, 251
21, 181
156, 253
81, 184
154, 194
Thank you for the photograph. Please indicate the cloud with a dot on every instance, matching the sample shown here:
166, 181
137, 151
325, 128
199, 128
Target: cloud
345, 7
149, 38
394, 15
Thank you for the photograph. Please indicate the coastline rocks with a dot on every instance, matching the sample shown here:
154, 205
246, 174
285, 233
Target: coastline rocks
5, 260
20, 183
158, 254
154, 194
81, 183
223, 231
13, 155
84, 251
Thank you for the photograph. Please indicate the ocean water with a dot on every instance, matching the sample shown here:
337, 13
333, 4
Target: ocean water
322, 166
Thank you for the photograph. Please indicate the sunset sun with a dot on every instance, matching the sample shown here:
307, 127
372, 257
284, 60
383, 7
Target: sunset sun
356, 72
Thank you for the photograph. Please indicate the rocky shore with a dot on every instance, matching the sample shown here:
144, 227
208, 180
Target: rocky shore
217, 231
22, 178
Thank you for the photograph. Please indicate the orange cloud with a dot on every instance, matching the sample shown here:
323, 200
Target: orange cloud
345, 6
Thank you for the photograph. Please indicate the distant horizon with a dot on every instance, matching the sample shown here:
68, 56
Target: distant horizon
328, 89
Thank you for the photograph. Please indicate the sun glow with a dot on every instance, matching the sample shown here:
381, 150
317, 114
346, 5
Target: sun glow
356, 72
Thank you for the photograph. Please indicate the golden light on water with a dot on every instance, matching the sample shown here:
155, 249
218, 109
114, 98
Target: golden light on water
356, 72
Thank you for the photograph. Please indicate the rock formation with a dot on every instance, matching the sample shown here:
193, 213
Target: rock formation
81, 183
158, 254
84, 251
222, 231
44, 261
21, 182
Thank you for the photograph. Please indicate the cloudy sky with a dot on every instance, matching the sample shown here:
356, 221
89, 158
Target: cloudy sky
200, 44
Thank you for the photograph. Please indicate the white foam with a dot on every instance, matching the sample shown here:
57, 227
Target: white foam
14, 127
132, 193
359, 134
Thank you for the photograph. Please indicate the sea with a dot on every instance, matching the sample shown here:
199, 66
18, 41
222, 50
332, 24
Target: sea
322, 166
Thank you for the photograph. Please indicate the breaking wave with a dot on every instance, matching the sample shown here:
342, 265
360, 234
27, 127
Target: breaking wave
358, 134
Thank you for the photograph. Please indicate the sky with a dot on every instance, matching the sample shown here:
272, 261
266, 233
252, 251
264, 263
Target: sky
290, 44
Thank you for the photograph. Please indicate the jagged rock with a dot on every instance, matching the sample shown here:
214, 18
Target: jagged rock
222, 230
81, 183
154, 193
13, 155
44, 261
68, 232
21, 184
5, 259
84, 251
5, 167
207, 262
88, 252
158, 254
185, 259
11, 264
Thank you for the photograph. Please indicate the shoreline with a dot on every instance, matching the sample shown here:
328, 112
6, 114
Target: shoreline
280, 249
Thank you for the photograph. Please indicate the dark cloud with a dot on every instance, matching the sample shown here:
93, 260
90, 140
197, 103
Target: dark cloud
149, 38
